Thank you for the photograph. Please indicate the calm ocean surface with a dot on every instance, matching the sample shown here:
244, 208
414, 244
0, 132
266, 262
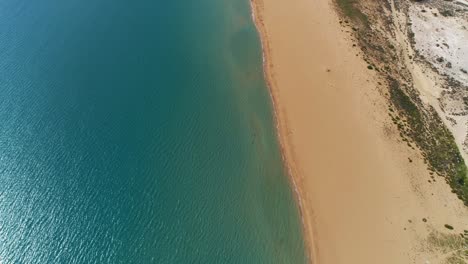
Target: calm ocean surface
139, 132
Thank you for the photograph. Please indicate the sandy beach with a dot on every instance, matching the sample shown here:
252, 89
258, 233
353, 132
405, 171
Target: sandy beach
365, 197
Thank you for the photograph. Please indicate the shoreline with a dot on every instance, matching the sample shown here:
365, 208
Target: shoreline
281, 130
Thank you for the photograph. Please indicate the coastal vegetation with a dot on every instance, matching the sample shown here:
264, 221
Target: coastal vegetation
419, 124
350, 9
452, 247
428, 132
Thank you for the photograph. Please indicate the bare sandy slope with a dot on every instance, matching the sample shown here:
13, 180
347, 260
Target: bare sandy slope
362, 200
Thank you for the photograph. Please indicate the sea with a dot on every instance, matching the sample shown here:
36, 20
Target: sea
139, 132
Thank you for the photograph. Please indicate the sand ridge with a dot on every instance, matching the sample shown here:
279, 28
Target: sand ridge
362, 193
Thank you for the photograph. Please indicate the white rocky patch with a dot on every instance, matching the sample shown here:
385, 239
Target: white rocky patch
443, 41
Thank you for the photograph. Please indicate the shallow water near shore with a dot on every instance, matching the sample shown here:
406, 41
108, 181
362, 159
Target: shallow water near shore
139, 132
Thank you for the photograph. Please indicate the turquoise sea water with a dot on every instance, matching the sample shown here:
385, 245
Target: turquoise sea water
139, 132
